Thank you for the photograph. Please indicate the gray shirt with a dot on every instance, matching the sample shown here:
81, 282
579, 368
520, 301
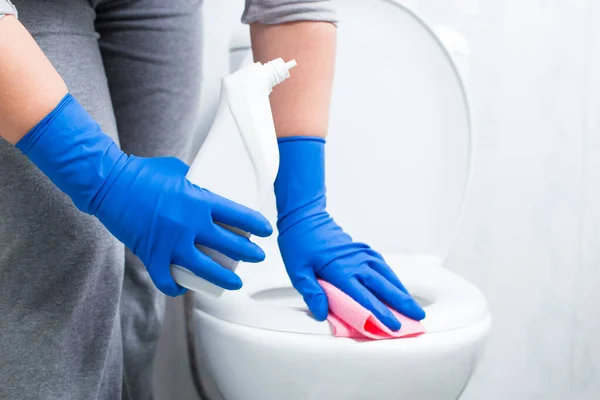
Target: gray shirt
7, 8
280, 11
260, 11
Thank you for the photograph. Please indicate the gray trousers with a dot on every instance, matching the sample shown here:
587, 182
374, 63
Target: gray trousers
79, 316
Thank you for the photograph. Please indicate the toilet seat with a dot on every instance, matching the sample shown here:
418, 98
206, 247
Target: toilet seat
268, 301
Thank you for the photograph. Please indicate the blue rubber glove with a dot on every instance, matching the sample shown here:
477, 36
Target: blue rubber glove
314, 246
146, 203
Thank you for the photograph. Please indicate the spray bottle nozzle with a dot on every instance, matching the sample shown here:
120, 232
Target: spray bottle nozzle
278, 70
290, 64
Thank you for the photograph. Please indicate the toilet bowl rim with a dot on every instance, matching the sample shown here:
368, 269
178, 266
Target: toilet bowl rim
475, 333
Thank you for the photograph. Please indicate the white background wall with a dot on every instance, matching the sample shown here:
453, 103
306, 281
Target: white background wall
530, 236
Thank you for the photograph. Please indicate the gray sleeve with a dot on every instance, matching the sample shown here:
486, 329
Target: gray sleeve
280, 11
7, 8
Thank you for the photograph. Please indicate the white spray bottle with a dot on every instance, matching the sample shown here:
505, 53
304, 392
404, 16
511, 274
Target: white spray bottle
219, 167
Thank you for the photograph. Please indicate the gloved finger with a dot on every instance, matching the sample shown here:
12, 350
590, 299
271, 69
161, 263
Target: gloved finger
391, 295
233, 214
160, 272
231, 244
384, 269
306, 284
203, 266
364, 297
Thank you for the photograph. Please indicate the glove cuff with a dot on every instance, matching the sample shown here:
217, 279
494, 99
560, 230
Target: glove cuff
301, 138
300, 184
69, 147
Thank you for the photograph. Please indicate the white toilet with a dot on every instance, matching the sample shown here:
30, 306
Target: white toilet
398, 166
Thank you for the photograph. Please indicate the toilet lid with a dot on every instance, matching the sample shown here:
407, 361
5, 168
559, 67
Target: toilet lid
399, 152
268, 301
399, 143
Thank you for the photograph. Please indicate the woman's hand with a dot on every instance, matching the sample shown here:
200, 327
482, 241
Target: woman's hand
146, 203
314, 246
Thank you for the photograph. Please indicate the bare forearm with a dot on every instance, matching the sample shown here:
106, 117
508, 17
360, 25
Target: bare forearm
300, 105
30, 87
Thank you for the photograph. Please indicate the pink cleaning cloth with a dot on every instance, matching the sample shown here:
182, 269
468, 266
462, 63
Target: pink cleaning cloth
351, 320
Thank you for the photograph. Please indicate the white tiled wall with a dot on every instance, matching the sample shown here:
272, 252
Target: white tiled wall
530, 238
